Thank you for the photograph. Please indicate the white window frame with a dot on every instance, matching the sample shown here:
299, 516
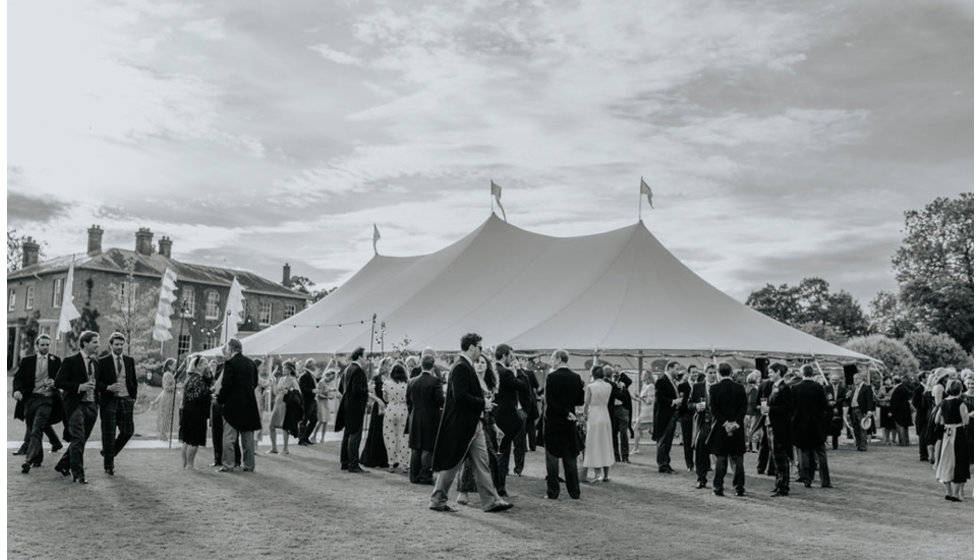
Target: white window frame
29, 298
181, 347
208, 296
11, 299
58, 293
187, 296
265, 312
289, 311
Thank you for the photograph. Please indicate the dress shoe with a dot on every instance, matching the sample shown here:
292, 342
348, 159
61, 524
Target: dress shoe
65, 471
948, 498
102, 452
826, 485
79, 480
110, 472
56, 448
356, 469
504, 506
225, 469
36, 463
701, 485
575, 497
272, 452
20, 452
954, 499
443, 508
25, 468
740, 492
778, 493
550, 497
246, 469
807, 484
719, 492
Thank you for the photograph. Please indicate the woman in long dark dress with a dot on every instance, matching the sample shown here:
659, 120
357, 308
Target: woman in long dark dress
953, 467
374, 453
467, 481
195, 409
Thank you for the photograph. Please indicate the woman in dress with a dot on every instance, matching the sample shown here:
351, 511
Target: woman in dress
325, 388
644, 416
195, 409
466, 483
165, 420
396, 417
937, 387
752, 415
374, 453
953, 467
598, 432
284, 416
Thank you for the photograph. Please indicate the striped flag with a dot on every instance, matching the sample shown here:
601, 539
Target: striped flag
234, 309
646, 190
496, 192
68, 311
168, 294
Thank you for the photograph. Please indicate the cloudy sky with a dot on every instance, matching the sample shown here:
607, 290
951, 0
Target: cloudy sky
782, 140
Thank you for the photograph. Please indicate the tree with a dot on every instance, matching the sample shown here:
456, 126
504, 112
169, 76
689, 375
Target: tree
897, 358
811, 303
824, 332
934, 267
133, 313
305, 285
890, 317
937, 350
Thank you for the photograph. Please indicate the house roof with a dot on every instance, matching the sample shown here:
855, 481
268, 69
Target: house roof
123, 261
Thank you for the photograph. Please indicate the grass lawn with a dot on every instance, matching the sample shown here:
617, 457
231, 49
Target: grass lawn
886, 504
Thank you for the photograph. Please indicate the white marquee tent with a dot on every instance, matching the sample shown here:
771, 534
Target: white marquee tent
620, 292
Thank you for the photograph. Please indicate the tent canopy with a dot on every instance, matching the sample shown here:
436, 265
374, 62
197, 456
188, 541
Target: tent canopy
618, 291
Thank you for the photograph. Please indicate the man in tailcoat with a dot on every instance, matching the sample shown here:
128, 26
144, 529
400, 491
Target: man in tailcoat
38, 400
116, 387
77, 378
307, 388
685, 418
239, 409
861, 399
835, 401
701, 426
809, 420
424, 398
665, 402
564, 390
509, 416
350, 413
529, 403
461, 434
922, 402
778, 412
620, 409
727, 439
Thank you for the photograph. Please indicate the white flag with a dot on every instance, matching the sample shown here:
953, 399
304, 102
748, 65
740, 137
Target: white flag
377, 236
234, 309
68, 311
168, 294
497, 192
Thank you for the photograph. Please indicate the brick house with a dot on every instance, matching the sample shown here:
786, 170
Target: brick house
126, 283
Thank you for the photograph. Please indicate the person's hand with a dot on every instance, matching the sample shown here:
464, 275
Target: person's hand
677, 401
764, 409
571, 416
700, 407
87, 386
18, 396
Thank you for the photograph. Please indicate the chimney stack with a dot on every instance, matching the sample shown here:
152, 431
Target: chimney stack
30, 249
165, 245
144, 241
94, 240
286, 275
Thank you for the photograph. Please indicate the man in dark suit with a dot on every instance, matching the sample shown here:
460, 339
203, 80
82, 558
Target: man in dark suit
809, 420
922, 402
116, 388
508, 415
835, 401
764, 464
353, 388
530, 405
778, 410
77, 378
461, 434
307, 388
727, 440
33, 388
685, 418
424, 398
665, 402
564, 390
620, 410
239, 409
701, 426
862, 402
218, 423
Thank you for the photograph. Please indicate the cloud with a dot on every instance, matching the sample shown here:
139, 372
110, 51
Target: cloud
335, 56
22, 208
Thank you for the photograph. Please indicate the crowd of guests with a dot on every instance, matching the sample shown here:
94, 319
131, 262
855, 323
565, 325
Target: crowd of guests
465, 425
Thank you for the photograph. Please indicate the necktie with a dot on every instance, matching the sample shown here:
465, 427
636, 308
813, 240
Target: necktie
119, 367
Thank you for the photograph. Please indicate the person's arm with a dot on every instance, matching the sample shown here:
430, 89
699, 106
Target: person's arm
438, 395
18, 387
588, 400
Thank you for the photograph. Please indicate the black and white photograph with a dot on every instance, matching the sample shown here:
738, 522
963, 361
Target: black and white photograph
490, 279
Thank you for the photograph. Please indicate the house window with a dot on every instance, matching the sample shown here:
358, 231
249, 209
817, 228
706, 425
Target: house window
127, 296
265, 313
187, 300
184, 344
45, 329
29, 298
11, 299
211, 341
289, 312
211, 306
59, 292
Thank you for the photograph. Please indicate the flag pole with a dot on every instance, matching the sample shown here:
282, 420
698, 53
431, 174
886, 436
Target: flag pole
639, 206
491, 197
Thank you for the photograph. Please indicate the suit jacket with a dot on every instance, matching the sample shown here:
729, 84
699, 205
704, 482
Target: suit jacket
810, 416
728, 404
764, 392
353, 387
531, 395
72, 374
782, 407
464, 408
237, 394
307, 387
107, 376
684, 392
663, 406
24, 379
508, 417
702, 420
564, 390
901, 410
922, 401
424, 398
866, 398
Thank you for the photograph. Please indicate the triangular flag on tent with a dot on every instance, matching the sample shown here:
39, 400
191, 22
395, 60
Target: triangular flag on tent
496, 192
68, 310
377, 236
646, 190
168, 294
234, 309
